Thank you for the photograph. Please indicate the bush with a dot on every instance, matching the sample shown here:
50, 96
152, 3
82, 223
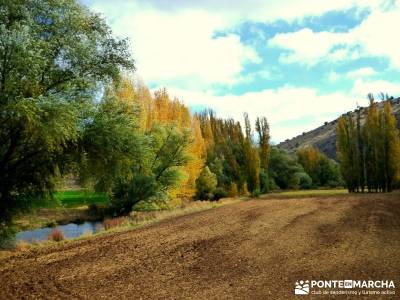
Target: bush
127, 193
206, 184
283, 168
256, 193
219, 193
56, 235
305, 181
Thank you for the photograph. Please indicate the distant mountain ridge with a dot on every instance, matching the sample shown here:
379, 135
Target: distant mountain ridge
324, 137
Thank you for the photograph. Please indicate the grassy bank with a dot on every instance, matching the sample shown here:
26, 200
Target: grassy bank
77, 198
305, 193
62, 208
137, 219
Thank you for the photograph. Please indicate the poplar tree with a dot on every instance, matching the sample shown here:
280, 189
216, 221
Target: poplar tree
369, 154
391, 148
347, 151
372, 139
262, 129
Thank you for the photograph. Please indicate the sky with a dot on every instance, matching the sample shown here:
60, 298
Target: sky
297, 62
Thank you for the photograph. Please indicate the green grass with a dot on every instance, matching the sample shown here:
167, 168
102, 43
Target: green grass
305, 193
76, 198
63, 207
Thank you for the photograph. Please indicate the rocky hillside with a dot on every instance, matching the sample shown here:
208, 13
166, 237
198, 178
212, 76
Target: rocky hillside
324, 137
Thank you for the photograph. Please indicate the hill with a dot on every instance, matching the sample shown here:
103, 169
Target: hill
324, 137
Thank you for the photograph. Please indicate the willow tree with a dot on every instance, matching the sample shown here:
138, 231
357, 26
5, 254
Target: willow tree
54, 55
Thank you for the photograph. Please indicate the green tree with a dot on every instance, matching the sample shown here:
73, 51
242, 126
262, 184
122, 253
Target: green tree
111, 142
163, 154
283, 169
305, 181
53, 56
206, 184
347, 151
372, 144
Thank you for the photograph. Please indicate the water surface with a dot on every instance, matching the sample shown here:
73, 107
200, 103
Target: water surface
71, 230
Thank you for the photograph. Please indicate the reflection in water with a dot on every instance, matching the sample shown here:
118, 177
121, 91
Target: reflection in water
71, 230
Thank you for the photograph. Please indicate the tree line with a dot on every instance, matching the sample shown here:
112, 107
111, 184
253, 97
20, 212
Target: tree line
69, 107
368, 148
243, 161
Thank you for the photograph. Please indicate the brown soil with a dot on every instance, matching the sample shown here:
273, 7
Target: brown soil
254, 249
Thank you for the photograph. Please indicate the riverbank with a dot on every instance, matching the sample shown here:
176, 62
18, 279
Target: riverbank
120, 224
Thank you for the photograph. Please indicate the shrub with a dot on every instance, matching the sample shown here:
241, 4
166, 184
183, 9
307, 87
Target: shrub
206, 184
305, 181
256, 193
56, 235
219, 193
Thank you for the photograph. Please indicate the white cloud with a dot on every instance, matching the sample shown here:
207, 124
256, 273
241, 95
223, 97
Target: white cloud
362, 72
174, 42
305, 45
362, 87
378, 36
375, 36
181, 48
290, 110
234, 12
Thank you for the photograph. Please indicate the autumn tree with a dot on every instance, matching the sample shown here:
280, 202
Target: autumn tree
322, 170
262, 129
390, 148
347, 151
369, 153
252, 158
